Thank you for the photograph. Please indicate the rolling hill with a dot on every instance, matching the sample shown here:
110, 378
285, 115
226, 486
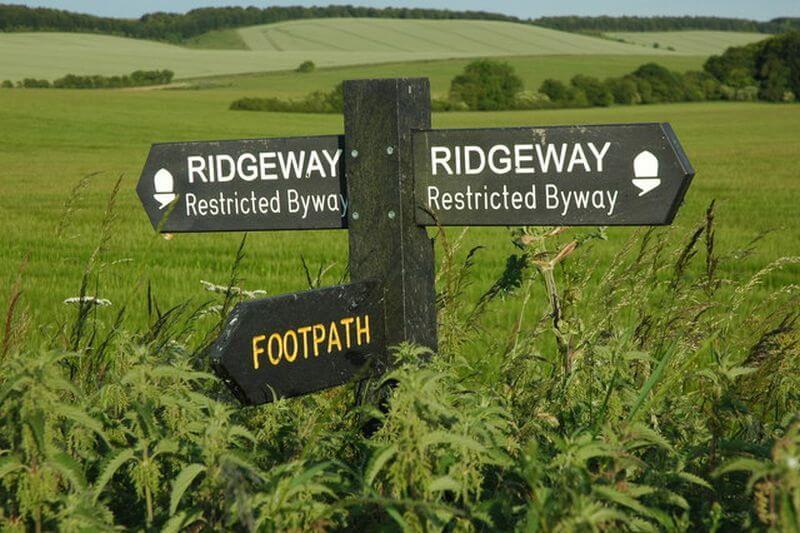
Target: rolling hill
274, 47
690, 42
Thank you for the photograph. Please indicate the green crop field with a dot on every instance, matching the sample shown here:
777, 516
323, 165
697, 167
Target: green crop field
532, 69
51, 139
689, 42
437, 37
329, 42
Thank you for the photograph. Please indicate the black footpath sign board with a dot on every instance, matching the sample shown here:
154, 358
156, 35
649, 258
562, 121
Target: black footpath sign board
300, 343
245, 185
609, 175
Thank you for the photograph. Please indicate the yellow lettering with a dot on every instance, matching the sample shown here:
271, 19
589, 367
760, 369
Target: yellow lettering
290, 356
304, 332
272, 359
362, 330
257, 350
346, 323
319, 337
333, 338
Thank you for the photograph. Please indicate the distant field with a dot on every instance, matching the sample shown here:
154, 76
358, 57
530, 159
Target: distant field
690, 42
744, 155
449, 37
329, 42
532, 69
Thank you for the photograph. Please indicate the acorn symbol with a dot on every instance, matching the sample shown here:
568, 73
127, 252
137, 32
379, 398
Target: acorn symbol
164, 185
645, 168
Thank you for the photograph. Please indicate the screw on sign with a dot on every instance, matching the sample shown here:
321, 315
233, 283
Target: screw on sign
400, 176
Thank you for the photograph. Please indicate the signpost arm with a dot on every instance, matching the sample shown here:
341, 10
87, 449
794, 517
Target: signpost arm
385, 242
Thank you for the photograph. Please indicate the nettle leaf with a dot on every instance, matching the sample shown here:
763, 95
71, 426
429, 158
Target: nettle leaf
444, 483
182, 482
68, 468
620, 498
110, 467
377, 462
79, 416
697, 480
460, 441
181, 521
166, 446
9, 465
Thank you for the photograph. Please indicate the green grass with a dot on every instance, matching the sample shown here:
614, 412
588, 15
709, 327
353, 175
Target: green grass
532, 69
744, 154
690, 42
329, 42
218, 40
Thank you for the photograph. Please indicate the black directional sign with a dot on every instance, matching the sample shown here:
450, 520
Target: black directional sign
611, 175
245, 185
299, 343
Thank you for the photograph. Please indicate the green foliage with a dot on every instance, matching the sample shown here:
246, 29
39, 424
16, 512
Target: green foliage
306, 67
139, 78
644, 24
634, 401
316, 102
7, 84
771, 66
32, 83
555, 90
486, 85
597, 94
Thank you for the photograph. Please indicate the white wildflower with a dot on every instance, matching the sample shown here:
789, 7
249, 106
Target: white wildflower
100, 302
236, 291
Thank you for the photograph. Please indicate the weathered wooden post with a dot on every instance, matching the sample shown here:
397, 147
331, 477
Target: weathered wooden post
386, 244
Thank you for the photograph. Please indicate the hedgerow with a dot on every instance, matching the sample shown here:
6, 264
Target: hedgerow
138, 78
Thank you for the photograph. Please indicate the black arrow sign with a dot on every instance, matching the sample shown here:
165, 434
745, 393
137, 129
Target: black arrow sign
299, 343
246, 185
611, 175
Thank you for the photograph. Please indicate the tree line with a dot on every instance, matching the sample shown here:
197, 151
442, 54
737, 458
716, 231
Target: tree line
175, 27
138, 78
178, 27
768, 70
609, 24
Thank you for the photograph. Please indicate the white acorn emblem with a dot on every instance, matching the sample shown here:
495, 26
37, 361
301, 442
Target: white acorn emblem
645, 170
164, 185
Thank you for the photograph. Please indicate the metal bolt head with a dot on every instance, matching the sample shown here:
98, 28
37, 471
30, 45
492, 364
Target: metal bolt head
390, 150
391, 215
355, 215
354, 153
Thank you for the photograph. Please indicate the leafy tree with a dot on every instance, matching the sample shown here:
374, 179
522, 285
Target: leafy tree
556, 90
306, 66
771, 66
597, 94
624, 90
486, 85
665, 85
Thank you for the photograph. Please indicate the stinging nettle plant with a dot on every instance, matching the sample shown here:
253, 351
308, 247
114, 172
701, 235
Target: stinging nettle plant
654, 392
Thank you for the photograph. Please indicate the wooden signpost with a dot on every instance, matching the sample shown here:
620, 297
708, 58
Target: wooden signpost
384, 180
